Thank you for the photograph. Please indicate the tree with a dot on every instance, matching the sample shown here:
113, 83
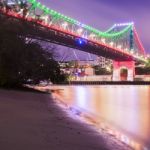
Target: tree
143, 69
101, 71
147, 64
23, 60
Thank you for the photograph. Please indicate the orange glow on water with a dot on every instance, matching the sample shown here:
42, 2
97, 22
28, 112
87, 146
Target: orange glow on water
121, 110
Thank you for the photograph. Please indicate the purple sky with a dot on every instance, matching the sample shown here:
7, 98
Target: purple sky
102, 14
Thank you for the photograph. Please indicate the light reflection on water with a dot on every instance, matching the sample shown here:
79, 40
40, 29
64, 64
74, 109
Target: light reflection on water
126, 108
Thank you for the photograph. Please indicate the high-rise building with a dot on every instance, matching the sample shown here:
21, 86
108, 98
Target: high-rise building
103, 62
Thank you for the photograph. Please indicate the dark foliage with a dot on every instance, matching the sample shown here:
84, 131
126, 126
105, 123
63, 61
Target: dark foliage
101, 71
23, 60
142, 70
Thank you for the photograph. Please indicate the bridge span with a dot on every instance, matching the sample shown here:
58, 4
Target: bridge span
34, 20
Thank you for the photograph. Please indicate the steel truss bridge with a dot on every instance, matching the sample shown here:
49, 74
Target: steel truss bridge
120, 43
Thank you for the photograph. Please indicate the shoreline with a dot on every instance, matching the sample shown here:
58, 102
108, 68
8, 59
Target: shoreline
108, 83
101, 127
128, 140
34, 121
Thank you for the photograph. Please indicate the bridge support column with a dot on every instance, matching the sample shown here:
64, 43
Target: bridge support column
128, 65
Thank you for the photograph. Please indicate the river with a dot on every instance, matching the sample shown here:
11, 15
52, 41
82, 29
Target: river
124, 108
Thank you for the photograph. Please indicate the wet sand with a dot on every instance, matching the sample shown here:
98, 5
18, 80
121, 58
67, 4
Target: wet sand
33, 121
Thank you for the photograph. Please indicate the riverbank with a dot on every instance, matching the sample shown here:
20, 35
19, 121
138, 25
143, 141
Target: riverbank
32, 120
109, 83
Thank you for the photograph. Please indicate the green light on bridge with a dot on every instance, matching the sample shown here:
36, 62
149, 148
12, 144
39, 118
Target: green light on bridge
72, 21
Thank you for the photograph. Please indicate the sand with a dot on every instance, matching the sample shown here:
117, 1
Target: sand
33, 121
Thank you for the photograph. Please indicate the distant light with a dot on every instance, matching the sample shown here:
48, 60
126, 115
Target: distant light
111, 43
132, 51
148, 55
10, 3
137, 54
119, 46
83, 25
80, 30
81, 41
92, 35
103, 40
64, 25
124, 24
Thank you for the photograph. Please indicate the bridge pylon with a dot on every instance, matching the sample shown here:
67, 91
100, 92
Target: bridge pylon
119, 65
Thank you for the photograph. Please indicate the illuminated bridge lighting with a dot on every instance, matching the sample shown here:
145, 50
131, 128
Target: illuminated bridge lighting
113, 39
125, 24
81, 41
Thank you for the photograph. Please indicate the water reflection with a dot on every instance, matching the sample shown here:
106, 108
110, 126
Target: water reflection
126, 108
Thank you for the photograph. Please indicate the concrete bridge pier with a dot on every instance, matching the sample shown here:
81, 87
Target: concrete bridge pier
119, 66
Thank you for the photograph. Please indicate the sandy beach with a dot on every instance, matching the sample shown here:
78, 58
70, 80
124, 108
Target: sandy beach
33, 121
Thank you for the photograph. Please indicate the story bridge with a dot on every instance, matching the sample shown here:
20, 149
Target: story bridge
120, 42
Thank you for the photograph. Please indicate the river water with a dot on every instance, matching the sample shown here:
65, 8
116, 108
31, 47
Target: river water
124, 108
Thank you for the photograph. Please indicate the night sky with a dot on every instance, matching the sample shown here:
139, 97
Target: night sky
102, 14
